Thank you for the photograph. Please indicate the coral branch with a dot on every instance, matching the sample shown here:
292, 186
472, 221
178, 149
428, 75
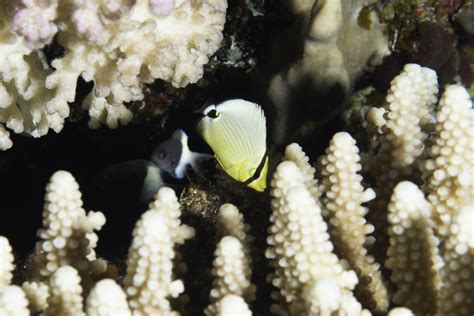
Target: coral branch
149, 279
6, 262
413, 253
343, 198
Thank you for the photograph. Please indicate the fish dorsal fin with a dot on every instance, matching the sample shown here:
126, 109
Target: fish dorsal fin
180, 135
237, 136
186, 154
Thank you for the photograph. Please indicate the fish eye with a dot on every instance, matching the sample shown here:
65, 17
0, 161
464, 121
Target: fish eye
213, 114
162, 155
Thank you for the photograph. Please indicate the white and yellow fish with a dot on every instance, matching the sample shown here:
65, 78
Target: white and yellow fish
236, 131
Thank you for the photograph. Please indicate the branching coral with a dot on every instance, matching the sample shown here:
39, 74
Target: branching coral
13, 302
408, 115
37, 294
232, 290
232, 305
406, 126
106, 299
307, 273
343, 196
6, 262
413, 253
65, 293
450, 169
231, 273
308, 218
149, 279
68, 236
230, 222
119, 45
457, 274
26, 26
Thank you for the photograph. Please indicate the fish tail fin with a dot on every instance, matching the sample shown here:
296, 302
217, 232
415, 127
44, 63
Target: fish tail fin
197, 160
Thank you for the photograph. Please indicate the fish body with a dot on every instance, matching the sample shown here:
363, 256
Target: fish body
137, 179
174, 156
236, 131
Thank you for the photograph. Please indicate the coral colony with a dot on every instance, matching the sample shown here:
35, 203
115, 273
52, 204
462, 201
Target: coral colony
382, 226
118, 45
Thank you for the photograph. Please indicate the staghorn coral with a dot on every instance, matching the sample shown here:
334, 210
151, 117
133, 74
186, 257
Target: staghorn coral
119, 45
413, 253
65, 293
308, 275
13, 301
449, 171
230, 222
457, 273
153, 244
400, 311
149, 278
106, 299
232, 305
343, 196
37, 294
67, 237
231, 274
404, 135
6, 262
232, 290
400, 136
294, 153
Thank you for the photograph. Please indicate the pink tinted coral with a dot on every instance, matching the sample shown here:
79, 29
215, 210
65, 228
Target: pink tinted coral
162, 7
33, 24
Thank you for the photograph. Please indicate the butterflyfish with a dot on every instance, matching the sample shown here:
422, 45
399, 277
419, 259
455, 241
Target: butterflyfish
237, 134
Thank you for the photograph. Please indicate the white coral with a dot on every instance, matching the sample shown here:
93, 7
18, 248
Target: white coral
457, 275
119, 45
6, 262
107, 299
149, 281
408, 113
65, 293
67, 236
231, 273
232, 305
294, 152
37, 294
336, 48
343, 198
13, 301
400, 311
22, 92
300, 250
134, 49
450, 169
413, 253
399, 149
230, 222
